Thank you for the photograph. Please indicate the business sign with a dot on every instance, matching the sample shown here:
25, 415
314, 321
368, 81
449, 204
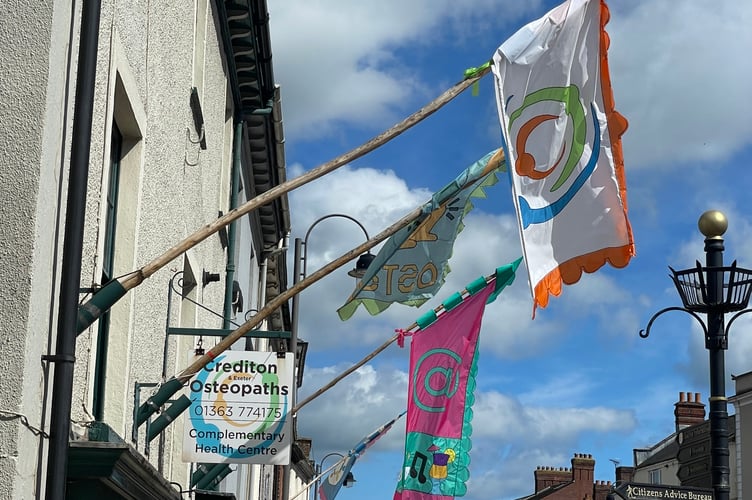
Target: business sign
239, 413
636, 491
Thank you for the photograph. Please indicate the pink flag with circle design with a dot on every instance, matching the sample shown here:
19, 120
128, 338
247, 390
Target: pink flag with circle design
440, 360
443, 364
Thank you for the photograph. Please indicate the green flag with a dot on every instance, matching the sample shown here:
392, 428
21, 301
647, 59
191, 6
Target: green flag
411, 266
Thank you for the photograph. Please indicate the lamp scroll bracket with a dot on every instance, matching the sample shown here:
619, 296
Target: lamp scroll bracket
176, 285
733, 318
646, 332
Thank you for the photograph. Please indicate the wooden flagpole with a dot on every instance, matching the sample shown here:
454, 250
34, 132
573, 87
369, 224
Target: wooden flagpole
116, 289
438, 310
170, 387
316, 479
173, 385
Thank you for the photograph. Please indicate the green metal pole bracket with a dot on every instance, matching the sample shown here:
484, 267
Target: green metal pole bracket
152, 405
90, 311
224, 472
168, 416
212, 474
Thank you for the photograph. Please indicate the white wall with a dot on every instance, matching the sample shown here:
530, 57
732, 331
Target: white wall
34, 39
170, 189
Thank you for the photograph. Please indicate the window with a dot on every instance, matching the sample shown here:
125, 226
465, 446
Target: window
119, 208
108, 263
655, 476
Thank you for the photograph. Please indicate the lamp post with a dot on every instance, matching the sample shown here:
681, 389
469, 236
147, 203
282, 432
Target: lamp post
299, 272
301, 264
713, 290
347, 483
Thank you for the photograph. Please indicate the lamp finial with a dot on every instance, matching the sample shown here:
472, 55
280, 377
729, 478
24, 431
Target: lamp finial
713, 224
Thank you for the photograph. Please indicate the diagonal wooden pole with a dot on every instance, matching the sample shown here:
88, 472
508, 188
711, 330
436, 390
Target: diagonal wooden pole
314, 482
113, 291
170, 387
438, 310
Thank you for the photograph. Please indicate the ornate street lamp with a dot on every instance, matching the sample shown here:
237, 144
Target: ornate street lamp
713, 290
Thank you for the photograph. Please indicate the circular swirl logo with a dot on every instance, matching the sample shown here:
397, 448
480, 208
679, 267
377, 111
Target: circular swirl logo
562, 165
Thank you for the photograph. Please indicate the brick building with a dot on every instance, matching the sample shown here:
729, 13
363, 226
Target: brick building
565, 483
659, 463
680, 459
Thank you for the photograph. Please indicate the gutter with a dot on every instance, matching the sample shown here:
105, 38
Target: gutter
280, 161
70, 281
232, 229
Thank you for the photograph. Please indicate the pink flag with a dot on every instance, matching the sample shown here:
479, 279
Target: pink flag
562, 138
443, 360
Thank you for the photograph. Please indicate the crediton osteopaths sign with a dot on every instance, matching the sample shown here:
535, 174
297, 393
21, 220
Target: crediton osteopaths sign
239, 410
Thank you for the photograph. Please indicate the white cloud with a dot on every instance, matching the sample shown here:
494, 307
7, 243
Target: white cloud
679, 78
340, 53
358, 405
336, 61
737, 357
513, 478
601, 295
511, 436
505, 419
676, 68
568, 389
376, 198
514, 438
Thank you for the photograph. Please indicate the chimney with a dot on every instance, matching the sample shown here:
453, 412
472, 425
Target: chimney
689, 411
583, 473
624, 474
551, 476
305, 445
583, 467
601, 489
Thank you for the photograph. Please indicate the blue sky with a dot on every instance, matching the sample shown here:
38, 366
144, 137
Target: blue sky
577, 378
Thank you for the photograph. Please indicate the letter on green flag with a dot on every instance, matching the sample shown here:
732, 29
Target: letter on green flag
411, 266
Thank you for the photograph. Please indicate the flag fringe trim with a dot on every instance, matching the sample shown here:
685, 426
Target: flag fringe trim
570, 272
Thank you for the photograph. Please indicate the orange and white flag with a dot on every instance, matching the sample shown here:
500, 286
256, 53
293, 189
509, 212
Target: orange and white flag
562, 139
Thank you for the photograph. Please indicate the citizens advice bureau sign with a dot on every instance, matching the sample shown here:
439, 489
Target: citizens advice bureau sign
637, 491
239, 410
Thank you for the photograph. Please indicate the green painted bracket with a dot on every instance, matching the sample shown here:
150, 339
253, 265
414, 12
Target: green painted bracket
167, 417
207, 479
105, 298
224, 332
152, 405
